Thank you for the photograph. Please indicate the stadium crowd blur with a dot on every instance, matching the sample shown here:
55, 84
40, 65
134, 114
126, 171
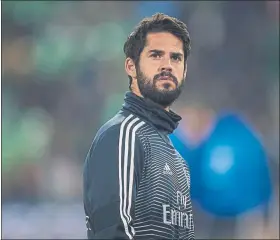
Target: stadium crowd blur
63, 76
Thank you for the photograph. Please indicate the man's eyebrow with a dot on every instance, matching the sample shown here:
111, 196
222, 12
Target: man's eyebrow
177, 54
161, 52
155, 51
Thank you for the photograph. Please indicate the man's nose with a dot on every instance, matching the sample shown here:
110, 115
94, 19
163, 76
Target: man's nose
166, 65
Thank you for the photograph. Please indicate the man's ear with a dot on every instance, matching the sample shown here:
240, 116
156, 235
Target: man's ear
130, 67
185, 71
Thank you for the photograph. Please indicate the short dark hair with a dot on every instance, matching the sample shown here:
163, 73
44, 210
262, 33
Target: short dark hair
159, 22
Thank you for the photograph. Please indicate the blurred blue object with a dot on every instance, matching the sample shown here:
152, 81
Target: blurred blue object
229, 171
148, 8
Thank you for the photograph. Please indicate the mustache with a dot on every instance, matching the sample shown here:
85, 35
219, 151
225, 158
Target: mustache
166, 74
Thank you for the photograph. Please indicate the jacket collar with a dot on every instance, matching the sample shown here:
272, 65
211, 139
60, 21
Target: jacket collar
166, 121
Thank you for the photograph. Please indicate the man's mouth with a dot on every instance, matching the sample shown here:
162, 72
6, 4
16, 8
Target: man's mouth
165, 78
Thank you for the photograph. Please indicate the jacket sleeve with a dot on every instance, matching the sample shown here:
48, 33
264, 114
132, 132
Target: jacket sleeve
112, 171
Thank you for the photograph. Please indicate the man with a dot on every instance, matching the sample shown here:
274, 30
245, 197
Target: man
136, 185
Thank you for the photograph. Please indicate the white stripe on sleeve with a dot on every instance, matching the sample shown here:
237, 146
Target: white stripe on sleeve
123, 176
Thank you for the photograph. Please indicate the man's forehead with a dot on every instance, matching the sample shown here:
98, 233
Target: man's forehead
164, 41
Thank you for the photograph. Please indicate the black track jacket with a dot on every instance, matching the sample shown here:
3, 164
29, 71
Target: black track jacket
136, 185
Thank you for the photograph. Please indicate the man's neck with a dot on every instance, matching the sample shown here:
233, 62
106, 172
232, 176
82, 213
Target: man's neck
137, 92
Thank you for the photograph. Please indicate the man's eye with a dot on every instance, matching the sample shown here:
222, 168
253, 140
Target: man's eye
155, 55
177, 58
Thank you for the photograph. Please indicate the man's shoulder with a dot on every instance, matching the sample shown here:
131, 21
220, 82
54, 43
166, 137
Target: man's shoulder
112, 126
119, 124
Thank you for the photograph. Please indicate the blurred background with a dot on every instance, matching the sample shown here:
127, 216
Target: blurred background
63, 77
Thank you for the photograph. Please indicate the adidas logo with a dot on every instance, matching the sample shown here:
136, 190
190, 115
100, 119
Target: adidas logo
167, 170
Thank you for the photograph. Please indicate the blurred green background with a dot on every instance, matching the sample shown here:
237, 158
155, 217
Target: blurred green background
63, 76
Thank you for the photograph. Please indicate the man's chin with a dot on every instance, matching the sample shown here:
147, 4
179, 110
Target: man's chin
162, 99
166, 86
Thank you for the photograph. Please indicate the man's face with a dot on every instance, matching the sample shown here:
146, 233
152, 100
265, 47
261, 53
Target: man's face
160, 72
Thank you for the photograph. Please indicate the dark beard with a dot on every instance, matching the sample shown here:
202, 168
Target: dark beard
164, 97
